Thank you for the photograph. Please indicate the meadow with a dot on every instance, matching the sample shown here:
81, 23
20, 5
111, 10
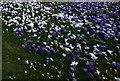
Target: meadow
61, 40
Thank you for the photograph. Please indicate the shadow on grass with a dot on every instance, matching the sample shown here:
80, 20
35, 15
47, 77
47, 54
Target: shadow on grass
11, 66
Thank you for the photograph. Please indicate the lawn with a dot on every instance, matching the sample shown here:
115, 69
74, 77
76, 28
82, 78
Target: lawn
63, 41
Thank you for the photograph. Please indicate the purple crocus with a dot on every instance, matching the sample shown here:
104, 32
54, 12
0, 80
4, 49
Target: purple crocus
51, 32
59, 72
69, 59
84, 42
78, 35
17, 32
82, 35
39, 33
86, 52
116, 65
54, 51
84, 69
77, 56
78, 49
72, 74
90, 63
30, 41
72, 69
114, 28
92, 69
30, 48
47, 61
42, 48
103, 46
62, 65
37, 41
23, 45
36, 49
47, 58
33, 45
47, 50
90, 74
39, 47
24, 39
85, 28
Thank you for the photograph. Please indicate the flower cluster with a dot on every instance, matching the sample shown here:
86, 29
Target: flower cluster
79, 36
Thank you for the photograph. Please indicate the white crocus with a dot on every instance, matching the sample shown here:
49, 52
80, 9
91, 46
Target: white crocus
29, 31
71, 46
64, 55
34, 35
98, 72
45, 43
61, 46
66, 43
68, 49
109, 51
61, 15
49, 36
27, 62
74, 63
51, 59
15, 29
93, 56
74, 36
77, 25
31, 24
38, 37
34, 30
47, 46
78, 45
117, 79
47, 8
66, 40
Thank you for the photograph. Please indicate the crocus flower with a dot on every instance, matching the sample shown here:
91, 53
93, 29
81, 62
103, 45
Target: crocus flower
43, 48
92, 69
93, 18
69, 59
84, 69
86, 52
17, 32
37, 41
90, 63
93, 56
36, 49
73, 63
24, 39
62, 65
59, 72
39, 32
27, 62
90, 74
30, 41
30, 48
72, 69
77, 56
33, 45
72, 74
78, 49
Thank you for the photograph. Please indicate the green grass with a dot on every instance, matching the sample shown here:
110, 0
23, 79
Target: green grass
11, 66
12, 50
